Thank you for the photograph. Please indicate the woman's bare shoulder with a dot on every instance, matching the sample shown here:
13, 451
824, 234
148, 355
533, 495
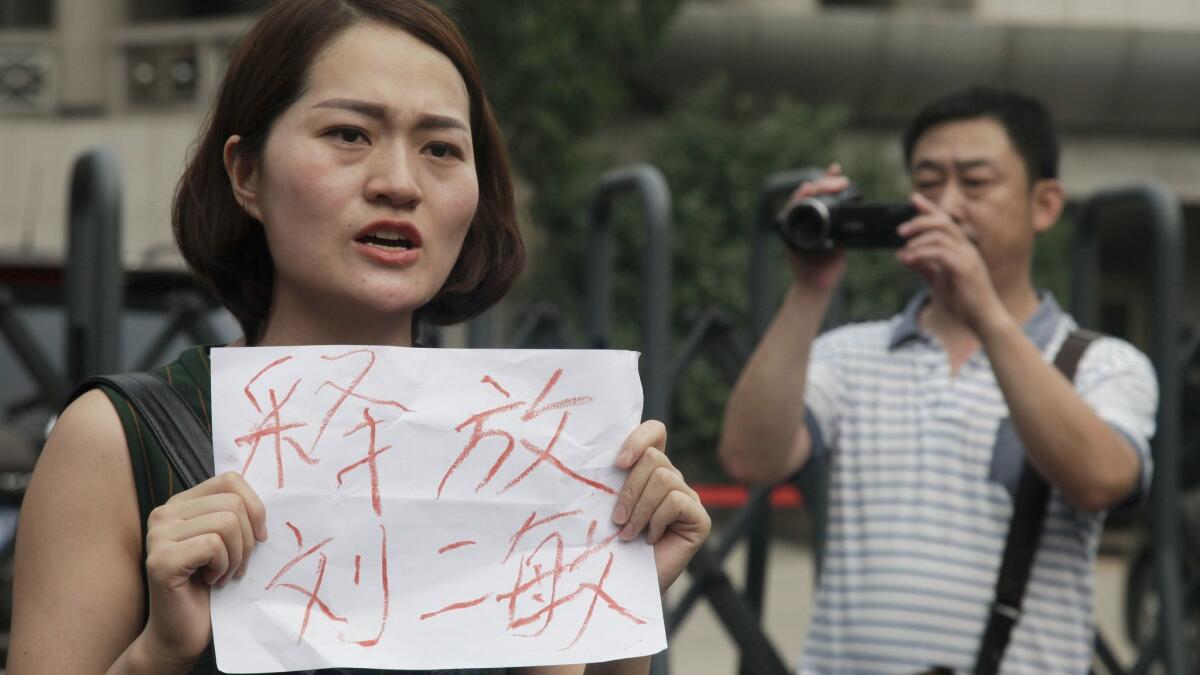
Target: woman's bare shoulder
79, 523
88, 442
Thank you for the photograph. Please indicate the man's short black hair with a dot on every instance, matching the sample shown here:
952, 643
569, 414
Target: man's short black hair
1026, 120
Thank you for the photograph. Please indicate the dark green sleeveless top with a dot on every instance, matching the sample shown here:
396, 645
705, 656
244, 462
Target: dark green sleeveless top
156, 482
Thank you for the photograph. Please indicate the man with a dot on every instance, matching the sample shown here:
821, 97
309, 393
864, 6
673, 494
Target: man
929, 415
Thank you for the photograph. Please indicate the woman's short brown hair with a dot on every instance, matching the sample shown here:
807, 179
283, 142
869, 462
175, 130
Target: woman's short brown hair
267, 72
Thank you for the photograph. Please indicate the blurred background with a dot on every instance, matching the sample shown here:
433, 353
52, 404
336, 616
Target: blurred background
718, 96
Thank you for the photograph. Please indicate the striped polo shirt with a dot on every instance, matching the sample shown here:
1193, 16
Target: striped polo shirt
923, 468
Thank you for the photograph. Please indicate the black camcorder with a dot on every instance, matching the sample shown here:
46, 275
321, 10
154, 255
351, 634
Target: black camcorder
821, 223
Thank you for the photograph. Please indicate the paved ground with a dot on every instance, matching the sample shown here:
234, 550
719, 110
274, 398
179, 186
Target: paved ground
702, 647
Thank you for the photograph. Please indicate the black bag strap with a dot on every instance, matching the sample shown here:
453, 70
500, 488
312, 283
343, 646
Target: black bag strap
1024, 534
175, 425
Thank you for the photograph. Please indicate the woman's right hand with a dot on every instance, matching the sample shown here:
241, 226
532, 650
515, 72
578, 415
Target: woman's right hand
198, 539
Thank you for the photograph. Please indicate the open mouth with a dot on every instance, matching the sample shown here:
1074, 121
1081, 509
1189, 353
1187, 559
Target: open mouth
386, 240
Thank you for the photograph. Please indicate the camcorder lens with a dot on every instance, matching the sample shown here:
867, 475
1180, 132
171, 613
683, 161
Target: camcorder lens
807, 226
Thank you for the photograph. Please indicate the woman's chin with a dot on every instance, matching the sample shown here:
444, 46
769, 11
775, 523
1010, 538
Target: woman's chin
369, 306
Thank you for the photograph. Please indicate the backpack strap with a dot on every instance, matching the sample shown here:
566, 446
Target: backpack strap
175, 425
1024, 533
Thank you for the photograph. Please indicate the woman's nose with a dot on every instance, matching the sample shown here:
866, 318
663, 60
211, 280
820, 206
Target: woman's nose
394, 179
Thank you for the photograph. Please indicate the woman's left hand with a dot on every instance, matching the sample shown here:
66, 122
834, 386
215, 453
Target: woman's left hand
655, 499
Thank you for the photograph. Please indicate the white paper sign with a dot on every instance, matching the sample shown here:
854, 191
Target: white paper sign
431, 508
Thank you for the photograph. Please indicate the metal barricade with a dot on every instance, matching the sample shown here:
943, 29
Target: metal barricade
648, 184
94, 279
1164, 218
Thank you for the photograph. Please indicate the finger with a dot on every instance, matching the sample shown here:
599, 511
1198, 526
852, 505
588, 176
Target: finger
928, 256
663, 481
173, 565
648, 434
920, 224
924, 204
187, 509
832, 182
193, 508
827, 184
233, 482
221, 523
930, 266
635, 483
954, 252
681, 512
932, 239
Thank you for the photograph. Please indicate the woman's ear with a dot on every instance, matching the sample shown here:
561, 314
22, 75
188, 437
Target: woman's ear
243, 176
1047, 203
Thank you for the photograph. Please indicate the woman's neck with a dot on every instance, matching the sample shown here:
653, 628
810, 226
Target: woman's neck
290, 323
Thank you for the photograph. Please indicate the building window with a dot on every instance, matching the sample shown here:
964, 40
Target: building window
161, 74
169, 10
19, 14
24, 79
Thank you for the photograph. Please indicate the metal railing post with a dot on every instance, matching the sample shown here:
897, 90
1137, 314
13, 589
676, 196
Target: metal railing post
761, 266
1166, 223
650, 186
94, 278
763, 243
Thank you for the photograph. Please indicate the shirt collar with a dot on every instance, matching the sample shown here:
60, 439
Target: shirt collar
1039, 328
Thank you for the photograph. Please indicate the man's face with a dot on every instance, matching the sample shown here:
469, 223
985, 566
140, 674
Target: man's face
971, 170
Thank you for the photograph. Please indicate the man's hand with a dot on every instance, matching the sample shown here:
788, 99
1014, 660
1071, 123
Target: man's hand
943, 252
819, 272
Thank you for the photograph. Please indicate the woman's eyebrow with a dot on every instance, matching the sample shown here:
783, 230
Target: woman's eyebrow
441, 122
378, 112
365, 108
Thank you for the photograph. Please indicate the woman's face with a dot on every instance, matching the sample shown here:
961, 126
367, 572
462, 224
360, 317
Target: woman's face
366, 185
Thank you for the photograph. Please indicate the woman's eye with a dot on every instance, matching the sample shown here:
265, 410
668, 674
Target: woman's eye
348, 135
443, 150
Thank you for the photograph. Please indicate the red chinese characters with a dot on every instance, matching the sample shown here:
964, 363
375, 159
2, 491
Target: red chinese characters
483, 427
312, 592
546, 580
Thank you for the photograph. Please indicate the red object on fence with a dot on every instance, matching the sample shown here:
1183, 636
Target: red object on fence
734, 496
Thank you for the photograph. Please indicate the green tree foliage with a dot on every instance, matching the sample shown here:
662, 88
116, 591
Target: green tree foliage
556, 72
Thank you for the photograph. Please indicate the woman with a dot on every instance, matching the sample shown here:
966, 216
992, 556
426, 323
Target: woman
351, 181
